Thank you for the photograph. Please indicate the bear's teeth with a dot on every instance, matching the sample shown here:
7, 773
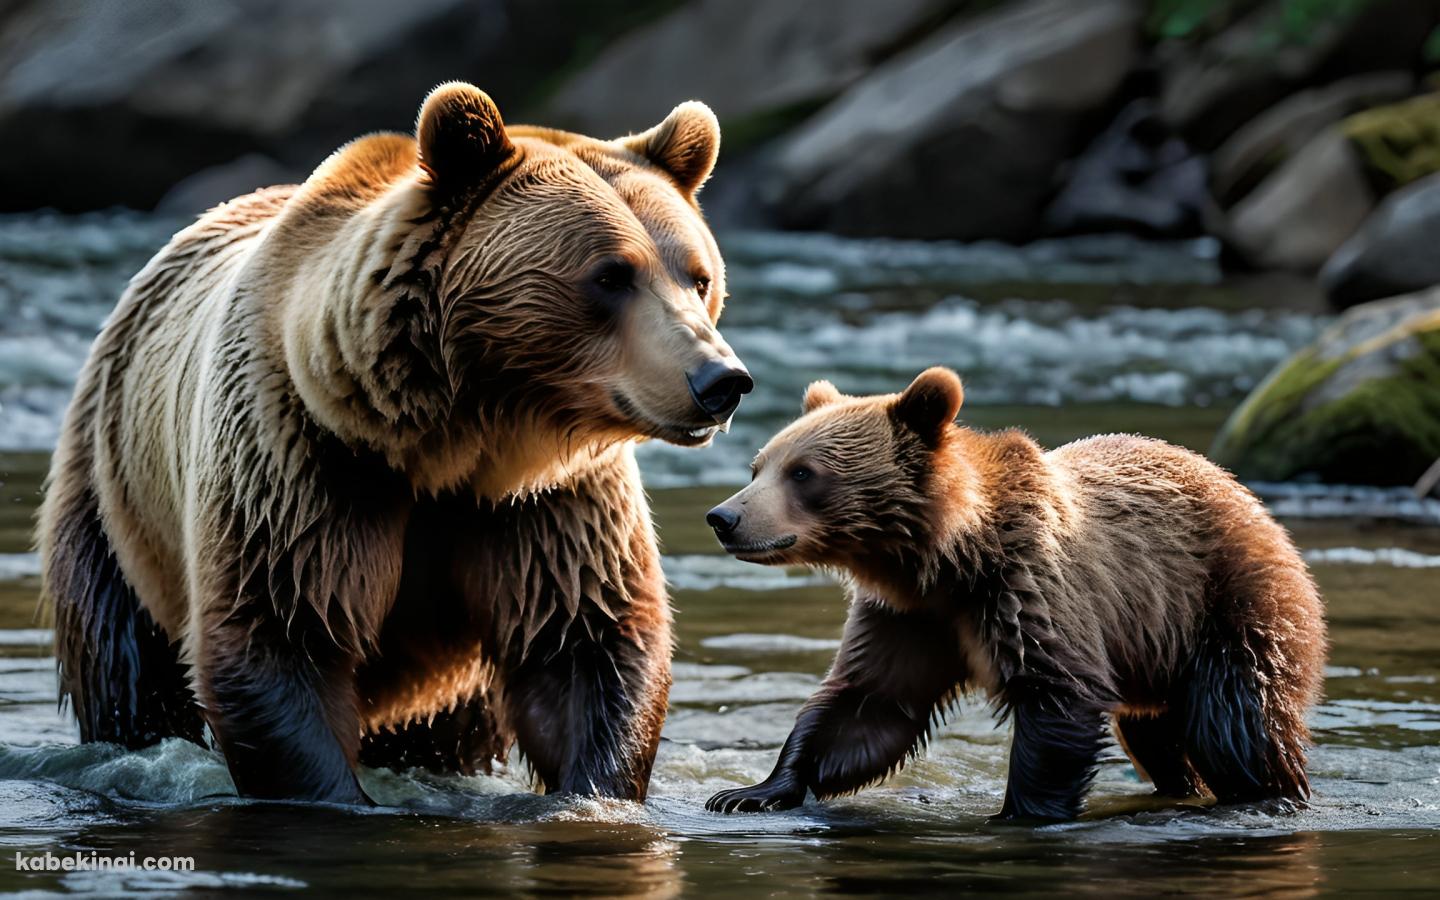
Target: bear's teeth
698, 432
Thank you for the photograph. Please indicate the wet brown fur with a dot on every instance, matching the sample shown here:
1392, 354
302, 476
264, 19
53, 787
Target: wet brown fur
1115, 578
345, 463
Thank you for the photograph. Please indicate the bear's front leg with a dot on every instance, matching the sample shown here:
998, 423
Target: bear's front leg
282, 707
581, 629
892, 673
588, 705
280, 637
1053, 754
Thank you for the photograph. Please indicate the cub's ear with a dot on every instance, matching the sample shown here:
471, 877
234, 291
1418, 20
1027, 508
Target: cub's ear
930, 404
685, 145
818, 394
461, 135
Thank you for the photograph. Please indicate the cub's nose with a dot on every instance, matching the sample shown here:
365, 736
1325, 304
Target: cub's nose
723, 520
717, 387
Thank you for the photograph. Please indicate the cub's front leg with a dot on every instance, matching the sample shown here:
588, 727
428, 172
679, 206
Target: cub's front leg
892, 673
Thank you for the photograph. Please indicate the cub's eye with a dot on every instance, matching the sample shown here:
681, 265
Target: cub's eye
801, 473
702, 285
615, 277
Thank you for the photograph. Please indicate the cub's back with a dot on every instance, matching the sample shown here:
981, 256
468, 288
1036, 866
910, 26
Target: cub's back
1149, 517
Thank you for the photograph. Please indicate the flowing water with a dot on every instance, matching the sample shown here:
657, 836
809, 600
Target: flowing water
1064, 339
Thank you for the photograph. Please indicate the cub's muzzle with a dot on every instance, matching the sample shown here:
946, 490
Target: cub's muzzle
724, 520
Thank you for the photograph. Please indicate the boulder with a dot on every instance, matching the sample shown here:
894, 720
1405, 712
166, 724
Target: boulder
958, 136
1211, 88
757, 63
1135, 177
111, 103
1278, 133
1397, 250
1359, 406
214, 185
1398, 143
1306, 209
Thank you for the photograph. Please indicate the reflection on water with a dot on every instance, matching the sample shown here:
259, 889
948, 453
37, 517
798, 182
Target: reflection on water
1064, 339
753, 644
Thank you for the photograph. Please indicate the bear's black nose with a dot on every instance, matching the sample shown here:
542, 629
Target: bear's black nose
722, 520
718, 386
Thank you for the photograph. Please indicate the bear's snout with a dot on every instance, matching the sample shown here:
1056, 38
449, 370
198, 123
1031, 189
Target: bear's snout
723, 519
717, 387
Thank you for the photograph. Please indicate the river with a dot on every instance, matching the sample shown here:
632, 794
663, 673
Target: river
1064, 339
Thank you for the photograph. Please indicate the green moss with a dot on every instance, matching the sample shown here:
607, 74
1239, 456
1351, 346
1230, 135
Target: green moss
1290, 22
1382, 431
1399, 143
1251, 440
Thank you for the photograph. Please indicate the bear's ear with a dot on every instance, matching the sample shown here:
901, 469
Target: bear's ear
818, 394
685, 145
930, 404
461, 135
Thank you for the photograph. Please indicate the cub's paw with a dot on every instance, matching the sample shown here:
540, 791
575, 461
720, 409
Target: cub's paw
766, 796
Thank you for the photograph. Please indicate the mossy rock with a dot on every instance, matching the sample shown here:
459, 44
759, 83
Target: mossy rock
1399, 143
1359, 406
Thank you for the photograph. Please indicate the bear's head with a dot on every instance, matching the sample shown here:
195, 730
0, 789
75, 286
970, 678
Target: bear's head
850, 482
501, 304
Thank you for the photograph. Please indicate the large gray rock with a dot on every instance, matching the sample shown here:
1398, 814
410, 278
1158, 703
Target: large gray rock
1299, 215
107, 103
1212, 88
1396, 251
214, 185
1135, 177
1277, 134
959, 136
754, 62
1359, 406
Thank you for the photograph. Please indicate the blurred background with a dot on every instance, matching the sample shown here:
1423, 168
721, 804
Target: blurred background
1293, 143
1212, 221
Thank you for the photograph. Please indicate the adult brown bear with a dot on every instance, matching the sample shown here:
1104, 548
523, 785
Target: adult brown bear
1113, 579
349, 474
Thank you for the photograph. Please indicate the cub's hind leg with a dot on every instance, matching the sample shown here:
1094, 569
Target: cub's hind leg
1156, 745
1242, 746
1257, 665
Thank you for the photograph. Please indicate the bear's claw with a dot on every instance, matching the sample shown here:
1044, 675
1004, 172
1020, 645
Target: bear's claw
763, 797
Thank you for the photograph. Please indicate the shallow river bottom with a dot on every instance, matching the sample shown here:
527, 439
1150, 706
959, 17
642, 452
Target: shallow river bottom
752, 645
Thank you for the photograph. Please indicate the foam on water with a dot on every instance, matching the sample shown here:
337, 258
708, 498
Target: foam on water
704, 572
802, 306
14, 566
1015, 352
1398, 557
1339, 501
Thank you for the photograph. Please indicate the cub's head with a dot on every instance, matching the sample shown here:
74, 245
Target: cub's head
850, 477
522, 279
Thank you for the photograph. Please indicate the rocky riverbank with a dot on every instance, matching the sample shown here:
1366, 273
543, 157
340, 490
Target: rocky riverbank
1301, 135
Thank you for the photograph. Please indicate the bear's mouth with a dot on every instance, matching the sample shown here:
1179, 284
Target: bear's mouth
680, 435
759, 551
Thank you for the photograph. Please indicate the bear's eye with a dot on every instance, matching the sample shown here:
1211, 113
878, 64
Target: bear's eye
615, 277
702, 285
801, 473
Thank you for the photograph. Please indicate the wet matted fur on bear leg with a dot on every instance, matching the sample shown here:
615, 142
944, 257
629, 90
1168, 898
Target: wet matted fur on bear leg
890, 682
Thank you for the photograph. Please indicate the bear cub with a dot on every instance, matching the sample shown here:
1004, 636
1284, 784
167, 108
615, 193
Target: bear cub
1115, 580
